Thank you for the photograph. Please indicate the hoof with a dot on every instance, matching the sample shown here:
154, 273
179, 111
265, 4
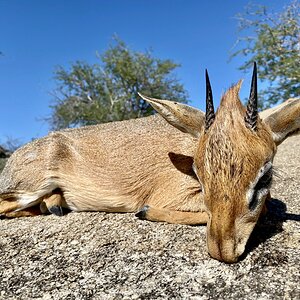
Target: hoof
142, 213
56, 210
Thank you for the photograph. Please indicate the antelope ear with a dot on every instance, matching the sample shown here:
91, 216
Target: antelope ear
182, 116
284, 119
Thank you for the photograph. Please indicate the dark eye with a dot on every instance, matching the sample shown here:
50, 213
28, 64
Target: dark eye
265, 181
261, 187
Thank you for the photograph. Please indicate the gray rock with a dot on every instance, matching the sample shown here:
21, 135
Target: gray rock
116, 256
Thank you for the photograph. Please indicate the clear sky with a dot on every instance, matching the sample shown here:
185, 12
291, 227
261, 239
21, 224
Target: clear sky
38, 35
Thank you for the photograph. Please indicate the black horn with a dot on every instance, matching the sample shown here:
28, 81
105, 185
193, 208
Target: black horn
251, 112
210, 111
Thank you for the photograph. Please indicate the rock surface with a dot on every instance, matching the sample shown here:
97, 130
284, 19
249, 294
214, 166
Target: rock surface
116, 256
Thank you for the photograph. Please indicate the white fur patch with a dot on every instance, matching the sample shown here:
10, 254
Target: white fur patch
28, 200
278, 136
31, 199
262, 192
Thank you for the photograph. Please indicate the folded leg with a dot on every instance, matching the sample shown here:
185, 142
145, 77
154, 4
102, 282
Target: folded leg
172, 216
27, 212
13, 208
53, 203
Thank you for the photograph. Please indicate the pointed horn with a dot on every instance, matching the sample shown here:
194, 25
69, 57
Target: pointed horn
251, 112
210, 111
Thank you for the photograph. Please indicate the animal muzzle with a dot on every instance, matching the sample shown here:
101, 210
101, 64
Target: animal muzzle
223, 252
225, 248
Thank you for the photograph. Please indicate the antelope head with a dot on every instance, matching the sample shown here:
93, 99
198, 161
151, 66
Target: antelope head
233, 163
233, 160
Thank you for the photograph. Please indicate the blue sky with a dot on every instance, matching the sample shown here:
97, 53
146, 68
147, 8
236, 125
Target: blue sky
36, 36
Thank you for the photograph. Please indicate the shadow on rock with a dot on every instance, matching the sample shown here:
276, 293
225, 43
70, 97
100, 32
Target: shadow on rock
269, 225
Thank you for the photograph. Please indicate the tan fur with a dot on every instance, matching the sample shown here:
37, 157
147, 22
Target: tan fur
104, 168
228, 159
123, 166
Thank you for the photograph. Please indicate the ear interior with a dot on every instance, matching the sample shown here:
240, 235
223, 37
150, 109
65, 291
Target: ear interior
182, 116
183, 163
284, 119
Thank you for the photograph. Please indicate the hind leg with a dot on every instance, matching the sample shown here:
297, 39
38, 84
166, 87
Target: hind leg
53, 203
27, 212
9, 205
13, 208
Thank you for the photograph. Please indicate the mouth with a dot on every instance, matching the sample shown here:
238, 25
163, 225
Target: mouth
227, 251
228, 259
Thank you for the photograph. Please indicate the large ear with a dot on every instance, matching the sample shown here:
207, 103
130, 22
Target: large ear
284, 119
181, 116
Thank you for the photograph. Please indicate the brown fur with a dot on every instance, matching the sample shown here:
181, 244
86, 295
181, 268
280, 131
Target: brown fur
123, 166
228, 159
103, 168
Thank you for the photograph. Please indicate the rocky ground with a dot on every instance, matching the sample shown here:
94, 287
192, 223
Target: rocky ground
116, 256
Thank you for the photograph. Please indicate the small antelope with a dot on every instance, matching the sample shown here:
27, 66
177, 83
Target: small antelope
184, 166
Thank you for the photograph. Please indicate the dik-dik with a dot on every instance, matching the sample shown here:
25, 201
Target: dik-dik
181, 166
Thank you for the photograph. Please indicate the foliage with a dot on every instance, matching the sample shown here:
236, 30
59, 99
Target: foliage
11, 144
7, 149
108, 91
2, 163
275, 46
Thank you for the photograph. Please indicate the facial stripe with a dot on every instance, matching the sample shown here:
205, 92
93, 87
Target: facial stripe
258, 189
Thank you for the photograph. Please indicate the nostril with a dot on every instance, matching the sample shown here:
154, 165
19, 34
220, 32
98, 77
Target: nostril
224, 251
214, 250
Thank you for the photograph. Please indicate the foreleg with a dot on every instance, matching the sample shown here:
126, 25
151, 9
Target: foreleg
172, 216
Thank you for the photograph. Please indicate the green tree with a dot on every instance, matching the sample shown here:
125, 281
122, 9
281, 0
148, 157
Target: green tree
6, 150
275, 46
108, 91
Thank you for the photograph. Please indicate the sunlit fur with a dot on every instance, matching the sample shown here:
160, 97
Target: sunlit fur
114, 167
228, 158
146, 164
